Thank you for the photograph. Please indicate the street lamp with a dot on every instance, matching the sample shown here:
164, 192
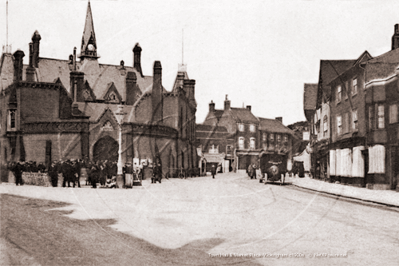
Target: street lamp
119, 177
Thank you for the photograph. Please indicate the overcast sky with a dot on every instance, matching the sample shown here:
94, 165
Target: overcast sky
260, 53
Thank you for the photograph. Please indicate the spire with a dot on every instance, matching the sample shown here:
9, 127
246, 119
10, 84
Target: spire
89, 45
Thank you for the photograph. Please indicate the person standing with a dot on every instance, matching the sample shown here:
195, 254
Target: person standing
17, 170
53, 173
213, 171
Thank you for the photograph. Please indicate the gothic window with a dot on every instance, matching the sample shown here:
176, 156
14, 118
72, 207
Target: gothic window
12, 119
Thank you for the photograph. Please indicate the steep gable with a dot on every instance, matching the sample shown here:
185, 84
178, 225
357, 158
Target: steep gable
112, 95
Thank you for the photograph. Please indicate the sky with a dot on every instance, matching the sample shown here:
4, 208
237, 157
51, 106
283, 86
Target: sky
259, 53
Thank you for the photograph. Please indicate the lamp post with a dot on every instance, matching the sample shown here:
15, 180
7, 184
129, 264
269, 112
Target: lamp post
119, 177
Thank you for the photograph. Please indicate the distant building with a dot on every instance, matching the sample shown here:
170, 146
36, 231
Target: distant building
54, 109
254, 139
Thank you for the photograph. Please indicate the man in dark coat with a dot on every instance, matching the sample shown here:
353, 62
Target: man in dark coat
17, 170
53, 173
213, 171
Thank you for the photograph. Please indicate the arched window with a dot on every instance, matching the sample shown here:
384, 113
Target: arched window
252, 143
241, 145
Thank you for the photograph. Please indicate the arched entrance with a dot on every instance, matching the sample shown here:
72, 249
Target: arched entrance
106, 148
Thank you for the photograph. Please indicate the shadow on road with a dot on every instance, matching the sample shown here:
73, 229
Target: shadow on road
32, 233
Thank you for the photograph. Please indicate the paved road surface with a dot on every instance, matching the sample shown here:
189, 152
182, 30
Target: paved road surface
181, 222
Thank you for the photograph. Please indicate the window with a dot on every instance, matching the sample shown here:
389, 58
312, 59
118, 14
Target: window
252, 143
11, 119
381, 116
214, 149
241, 143
393, 113
252, 128
371, 117
339, 125
346, 122
354, 120
241, 127
346, 90
325, 126
354, 86
271, 137
278, 136
285, 138
339, 93
264, 137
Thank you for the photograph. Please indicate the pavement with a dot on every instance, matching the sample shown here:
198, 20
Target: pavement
386, 197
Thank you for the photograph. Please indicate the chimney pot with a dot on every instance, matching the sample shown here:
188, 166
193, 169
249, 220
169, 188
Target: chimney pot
212, 107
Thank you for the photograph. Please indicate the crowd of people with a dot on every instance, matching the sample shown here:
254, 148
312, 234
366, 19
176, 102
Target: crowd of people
70, 171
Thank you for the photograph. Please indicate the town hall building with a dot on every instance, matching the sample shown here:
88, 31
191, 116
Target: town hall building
78, 108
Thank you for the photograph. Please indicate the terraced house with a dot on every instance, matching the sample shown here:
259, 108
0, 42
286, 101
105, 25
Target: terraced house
360, 118
80, 108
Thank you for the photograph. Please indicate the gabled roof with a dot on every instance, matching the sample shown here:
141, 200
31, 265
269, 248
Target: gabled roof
273, 125
243, 115
382, 66
96, 110
310, 96
51, 69
329, 70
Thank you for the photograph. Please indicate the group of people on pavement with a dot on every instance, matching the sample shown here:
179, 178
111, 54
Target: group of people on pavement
71, 170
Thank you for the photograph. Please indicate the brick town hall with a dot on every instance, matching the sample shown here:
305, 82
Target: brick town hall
57, 109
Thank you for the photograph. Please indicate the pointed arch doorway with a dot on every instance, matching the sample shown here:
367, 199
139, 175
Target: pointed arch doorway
106, 148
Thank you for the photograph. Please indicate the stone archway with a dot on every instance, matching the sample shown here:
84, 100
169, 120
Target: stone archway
106, 148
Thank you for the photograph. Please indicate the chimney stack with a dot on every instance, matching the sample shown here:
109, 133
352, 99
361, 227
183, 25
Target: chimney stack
157, 94
189, 87
137, 58
249, 108
30, 70
18, 65
35, 50
226, 104
131, 80
279, 118
395, 37
212, 107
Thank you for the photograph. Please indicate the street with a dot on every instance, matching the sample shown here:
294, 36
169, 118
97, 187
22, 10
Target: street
194, 221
